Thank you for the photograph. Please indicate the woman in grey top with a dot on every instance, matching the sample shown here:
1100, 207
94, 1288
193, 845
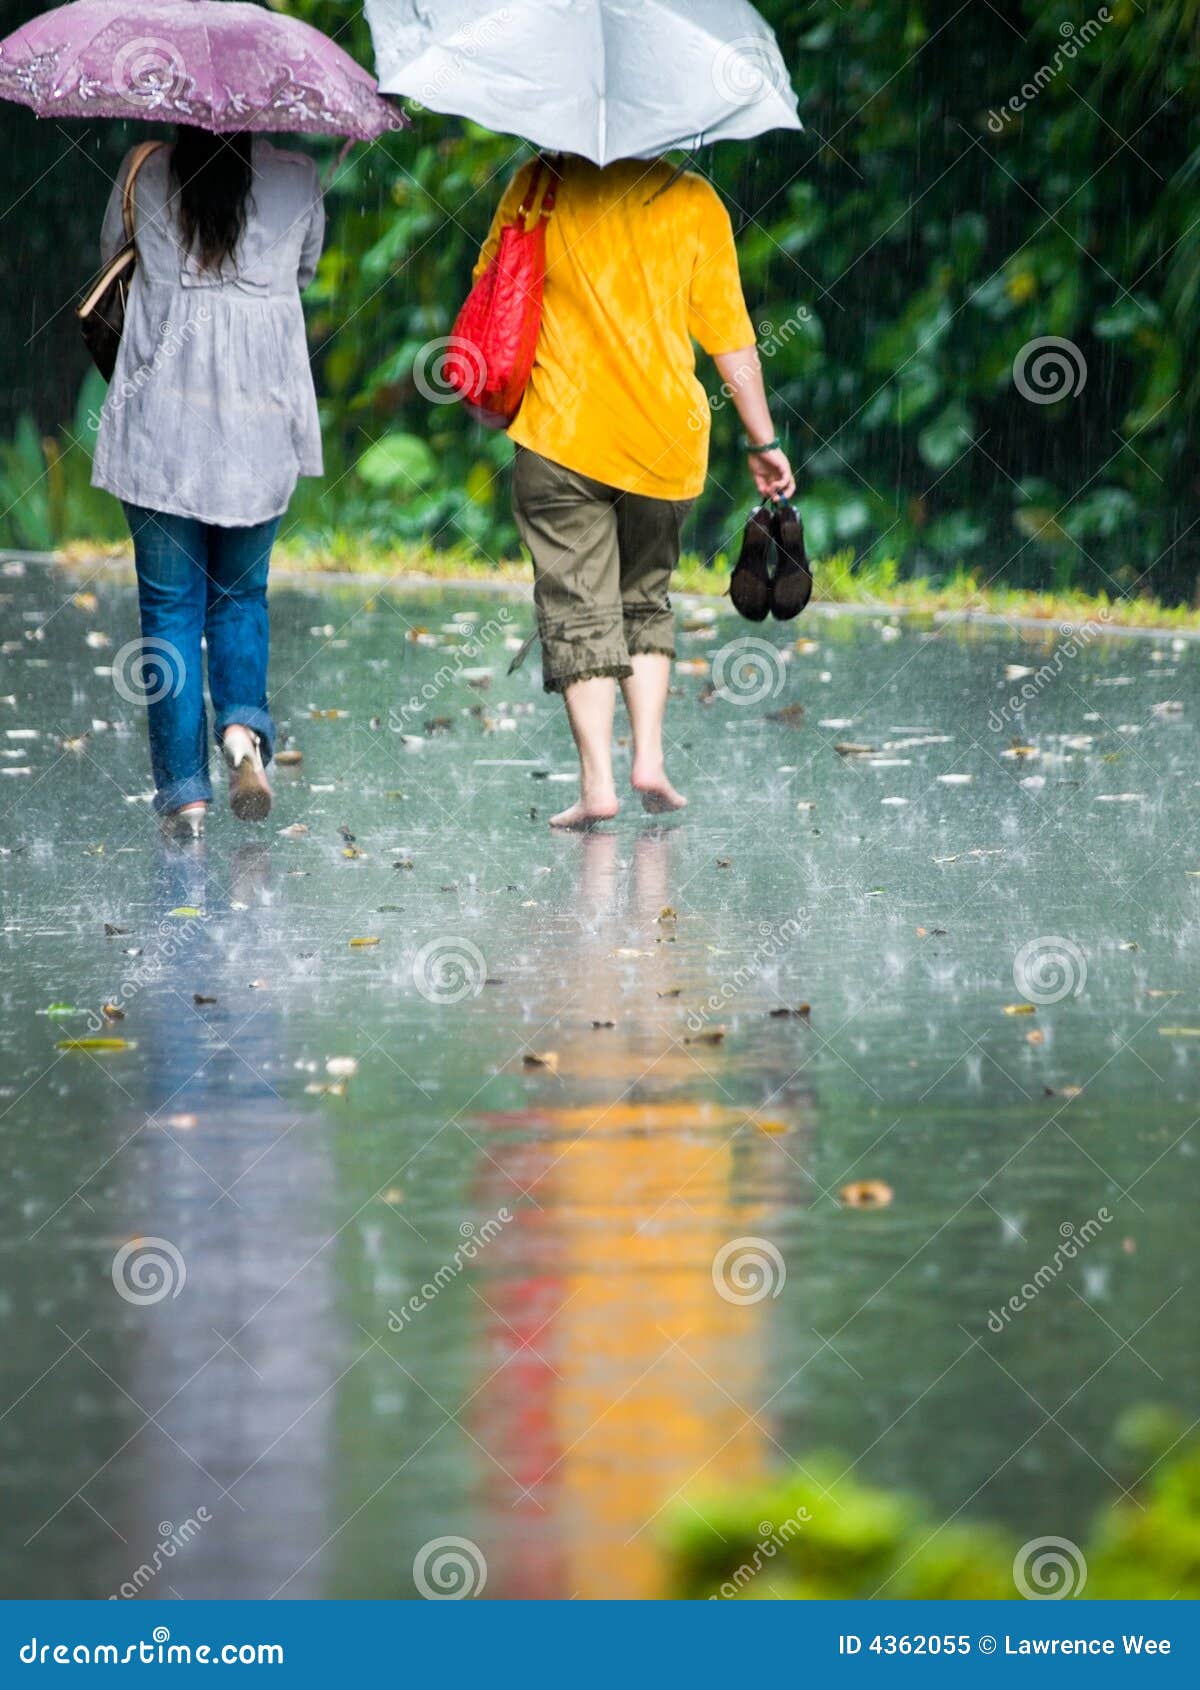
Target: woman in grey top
210, 419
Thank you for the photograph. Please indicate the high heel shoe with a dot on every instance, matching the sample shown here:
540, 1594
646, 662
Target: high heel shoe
792, 586
186, 825
750, 586
249, 789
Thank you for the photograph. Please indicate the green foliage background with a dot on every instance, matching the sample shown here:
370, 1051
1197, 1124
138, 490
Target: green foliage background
821, 1535
903, 249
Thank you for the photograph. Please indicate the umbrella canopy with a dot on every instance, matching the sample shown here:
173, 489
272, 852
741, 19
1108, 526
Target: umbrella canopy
222, 65
606, 79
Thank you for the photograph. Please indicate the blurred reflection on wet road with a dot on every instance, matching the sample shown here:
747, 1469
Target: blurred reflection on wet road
522, 1226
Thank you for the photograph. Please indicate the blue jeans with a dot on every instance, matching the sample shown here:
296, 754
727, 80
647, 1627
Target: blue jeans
194, 580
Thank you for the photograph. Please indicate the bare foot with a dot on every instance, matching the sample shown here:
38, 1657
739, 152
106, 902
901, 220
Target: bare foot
659, 797
587, 812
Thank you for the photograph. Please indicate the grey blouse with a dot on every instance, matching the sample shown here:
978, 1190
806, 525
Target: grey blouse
211, 411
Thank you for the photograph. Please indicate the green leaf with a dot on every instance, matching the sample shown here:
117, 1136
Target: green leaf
398, 461
947, 437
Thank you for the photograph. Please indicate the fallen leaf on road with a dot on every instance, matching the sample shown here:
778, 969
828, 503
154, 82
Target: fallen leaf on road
866, 1194
95, 1044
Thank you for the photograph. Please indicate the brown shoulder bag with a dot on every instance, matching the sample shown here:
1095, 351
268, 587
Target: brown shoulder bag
101, 311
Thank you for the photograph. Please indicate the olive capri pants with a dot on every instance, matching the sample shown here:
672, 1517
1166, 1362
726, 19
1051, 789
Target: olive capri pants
602, 563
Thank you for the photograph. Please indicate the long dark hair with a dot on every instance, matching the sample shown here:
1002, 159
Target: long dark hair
211, 178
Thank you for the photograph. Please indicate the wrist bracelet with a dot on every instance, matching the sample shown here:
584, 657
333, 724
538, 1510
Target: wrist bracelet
775, 445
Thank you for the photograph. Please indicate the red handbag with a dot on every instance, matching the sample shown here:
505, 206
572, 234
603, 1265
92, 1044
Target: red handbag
494, 342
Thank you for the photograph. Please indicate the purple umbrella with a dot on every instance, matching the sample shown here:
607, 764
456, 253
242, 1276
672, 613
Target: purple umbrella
222, 65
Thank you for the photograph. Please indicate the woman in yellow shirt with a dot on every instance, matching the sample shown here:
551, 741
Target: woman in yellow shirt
612, 442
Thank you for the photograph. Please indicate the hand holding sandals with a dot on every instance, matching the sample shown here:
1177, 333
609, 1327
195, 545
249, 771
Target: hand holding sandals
772, 575
772, 471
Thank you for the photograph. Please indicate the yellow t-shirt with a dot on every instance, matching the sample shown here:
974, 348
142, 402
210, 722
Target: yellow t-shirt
631, 281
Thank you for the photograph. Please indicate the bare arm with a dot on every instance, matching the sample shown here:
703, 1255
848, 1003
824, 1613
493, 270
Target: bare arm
112, 233
741, 374
314, 236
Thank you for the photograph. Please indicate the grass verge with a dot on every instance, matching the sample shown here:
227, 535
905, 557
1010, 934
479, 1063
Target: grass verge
840, 579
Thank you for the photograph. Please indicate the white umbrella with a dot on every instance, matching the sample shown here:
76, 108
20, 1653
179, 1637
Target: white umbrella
606, 79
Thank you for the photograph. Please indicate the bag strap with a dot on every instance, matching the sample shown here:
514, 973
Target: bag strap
543, 191
128, 204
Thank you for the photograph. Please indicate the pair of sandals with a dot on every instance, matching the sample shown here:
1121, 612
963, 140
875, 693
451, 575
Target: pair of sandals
772, 575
